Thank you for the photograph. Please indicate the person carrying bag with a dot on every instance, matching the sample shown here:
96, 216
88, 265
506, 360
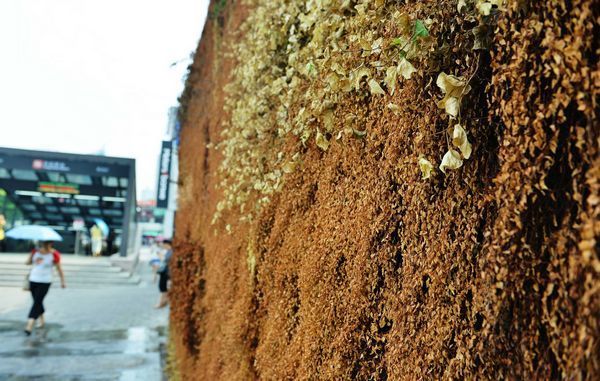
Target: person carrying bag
163, 275
42, 263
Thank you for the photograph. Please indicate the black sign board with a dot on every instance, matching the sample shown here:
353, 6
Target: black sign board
164, 175
64, 165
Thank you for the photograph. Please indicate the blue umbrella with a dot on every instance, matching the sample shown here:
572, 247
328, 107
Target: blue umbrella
102, 225
34, 233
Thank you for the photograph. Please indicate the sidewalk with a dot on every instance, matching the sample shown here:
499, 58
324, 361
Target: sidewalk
110, 333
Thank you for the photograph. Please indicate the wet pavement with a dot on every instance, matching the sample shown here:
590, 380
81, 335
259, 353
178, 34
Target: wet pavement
100, 334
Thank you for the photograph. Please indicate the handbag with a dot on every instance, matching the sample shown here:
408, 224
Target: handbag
26, 284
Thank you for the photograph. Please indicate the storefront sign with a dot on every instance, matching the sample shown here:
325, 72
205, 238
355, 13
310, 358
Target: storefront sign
164, 175
47, 165
52, 187
77, 165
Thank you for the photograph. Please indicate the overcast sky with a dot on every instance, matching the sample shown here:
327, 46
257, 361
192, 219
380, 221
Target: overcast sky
80, 76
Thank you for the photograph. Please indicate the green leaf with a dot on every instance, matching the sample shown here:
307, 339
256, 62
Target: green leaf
421, 29
396, 42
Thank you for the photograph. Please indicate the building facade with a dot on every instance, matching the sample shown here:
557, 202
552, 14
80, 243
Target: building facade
70, 193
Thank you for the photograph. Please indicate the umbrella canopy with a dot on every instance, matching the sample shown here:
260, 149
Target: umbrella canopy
34, 233
103, 226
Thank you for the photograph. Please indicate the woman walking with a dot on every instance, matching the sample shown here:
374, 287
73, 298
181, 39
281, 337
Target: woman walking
163, 275
42, 261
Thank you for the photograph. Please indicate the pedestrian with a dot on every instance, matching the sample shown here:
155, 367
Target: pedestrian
42, 261
2, 236
96, 234
163, 275
110, 242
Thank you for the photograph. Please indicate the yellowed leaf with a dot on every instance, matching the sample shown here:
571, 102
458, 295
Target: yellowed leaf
452, 86
359, 134
391, 78
406, 69
395, 109
404, 23
310, 69
328, 120
426, 168
452, 106
484, 8
375, 87
358, 75
346, 85
460, 140
322, 141
376, 46
305, 136
451, 160
289, 167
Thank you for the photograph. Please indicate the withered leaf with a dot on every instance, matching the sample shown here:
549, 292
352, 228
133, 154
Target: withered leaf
451, 160
426, 168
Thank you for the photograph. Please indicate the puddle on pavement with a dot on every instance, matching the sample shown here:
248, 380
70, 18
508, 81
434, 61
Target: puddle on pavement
11, 326
55, 333
6, 377
53, 340
65, 336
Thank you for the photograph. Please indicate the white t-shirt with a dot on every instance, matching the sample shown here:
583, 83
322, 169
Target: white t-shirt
41, 266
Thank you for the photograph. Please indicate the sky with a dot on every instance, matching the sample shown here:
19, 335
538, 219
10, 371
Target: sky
85, 76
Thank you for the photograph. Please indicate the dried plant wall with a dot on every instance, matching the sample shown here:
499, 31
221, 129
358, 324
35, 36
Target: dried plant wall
389, 190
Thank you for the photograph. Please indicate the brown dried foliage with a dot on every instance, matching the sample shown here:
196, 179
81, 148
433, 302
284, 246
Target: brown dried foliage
365, 271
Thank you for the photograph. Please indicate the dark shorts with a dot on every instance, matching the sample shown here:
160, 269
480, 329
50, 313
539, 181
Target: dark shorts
162, 281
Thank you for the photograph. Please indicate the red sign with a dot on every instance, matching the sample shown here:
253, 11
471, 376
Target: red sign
146, 203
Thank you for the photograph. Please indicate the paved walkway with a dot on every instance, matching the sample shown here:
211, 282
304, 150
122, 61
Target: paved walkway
100, 334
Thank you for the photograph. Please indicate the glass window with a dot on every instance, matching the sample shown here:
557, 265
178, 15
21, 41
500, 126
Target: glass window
70, 210
87, 203
52, 208
110, 212
56, 177
28, 207
24, 174
110, 181
18, 216
42, 200
79, 179
54, 217
4, 174
95, 212
124, 182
